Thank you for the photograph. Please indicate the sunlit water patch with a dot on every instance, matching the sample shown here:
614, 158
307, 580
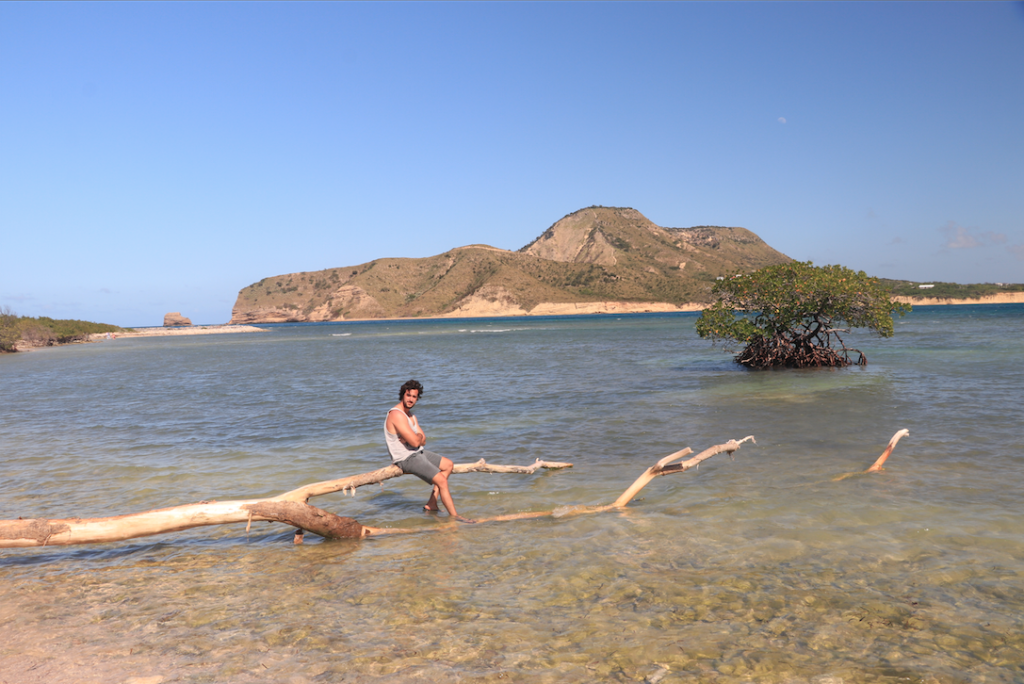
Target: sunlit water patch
756, 568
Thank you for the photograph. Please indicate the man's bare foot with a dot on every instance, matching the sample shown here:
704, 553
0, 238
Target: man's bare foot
464, 520
431, 506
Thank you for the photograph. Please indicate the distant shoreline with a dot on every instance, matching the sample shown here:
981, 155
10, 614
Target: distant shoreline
486, 309
498, 311
544, 309
1000, 298
175, 330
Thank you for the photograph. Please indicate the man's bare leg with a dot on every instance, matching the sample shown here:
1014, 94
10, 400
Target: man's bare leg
432, 501
441, 485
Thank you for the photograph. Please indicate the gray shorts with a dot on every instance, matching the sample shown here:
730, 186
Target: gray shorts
424, 465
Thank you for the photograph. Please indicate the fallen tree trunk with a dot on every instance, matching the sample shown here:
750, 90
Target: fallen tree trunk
41, 532
663, 467
290, 508
350, 484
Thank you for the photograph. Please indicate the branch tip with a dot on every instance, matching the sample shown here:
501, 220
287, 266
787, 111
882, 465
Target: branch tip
877, 465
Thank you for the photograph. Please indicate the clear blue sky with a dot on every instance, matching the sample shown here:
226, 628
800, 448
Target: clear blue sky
160, 157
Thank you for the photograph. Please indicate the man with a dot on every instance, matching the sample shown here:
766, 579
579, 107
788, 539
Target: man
405, 439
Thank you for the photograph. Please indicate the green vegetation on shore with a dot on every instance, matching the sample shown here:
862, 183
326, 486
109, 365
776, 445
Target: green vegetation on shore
907, 288
790, 315
45, 331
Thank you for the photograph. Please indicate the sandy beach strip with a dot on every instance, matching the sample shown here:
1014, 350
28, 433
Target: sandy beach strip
177, 330
482, 309
1000, 298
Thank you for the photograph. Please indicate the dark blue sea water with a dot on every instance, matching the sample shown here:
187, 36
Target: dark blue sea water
757, 568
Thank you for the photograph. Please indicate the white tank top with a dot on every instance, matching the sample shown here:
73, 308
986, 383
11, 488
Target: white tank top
398, 450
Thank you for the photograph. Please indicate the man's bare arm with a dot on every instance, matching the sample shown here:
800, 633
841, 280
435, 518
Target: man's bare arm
400, 426
421, 433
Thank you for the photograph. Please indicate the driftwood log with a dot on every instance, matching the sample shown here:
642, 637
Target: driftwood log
290, 508
663, 467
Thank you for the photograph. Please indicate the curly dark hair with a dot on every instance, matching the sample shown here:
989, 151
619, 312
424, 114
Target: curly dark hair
411, 385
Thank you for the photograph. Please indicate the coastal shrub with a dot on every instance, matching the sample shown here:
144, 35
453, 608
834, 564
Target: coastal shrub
9, 331
70, 330
791, 315
36, 335
943, 290
45, 331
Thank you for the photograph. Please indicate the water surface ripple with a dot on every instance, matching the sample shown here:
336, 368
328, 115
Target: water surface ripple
756, 568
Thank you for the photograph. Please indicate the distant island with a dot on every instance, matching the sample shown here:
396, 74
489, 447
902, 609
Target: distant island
595, 260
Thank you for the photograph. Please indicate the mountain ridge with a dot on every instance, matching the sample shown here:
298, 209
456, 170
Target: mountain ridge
593, 260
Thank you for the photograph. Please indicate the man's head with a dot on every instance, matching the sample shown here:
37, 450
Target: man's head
411, 385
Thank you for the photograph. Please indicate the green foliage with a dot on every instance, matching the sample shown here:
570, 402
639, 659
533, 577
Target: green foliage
906, 288
45, 331
9, 332
790, 314
69, 330
620, 243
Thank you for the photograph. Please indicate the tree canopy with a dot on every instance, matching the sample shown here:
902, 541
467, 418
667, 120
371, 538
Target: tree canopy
790, 315
44, 331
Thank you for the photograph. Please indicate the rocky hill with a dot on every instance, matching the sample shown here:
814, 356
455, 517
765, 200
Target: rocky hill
594, 260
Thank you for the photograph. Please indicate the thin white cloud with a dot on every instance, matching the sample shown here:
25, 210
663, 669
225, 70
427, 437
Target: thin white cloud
782, 119
958, 237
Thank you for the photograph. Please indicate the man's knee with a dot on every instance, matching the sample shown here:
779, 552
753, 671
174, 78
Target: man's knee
446, 465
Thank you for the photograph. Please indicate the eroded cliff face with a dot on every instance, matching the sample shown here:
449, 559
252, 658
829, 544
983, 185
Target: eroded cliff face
599, 259
577, 238
489, 300
354, 300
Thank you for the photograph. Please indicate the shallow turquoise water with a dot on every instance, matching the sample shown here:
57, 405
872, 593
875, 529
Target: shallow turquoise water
755, 568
